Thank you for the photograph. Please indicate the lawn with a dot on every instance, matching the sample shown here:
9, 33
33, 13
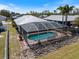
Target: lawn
2, 45
67, 52
14, 44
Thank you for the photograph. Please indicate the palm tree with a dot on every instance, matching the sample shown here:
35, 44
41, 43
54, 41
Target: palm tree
67, 9
61, 8
64, 10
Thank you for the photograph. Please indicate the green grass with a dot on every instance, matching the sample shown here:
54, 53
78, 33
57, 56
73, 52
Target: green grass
14, 44
2, 45
67, 52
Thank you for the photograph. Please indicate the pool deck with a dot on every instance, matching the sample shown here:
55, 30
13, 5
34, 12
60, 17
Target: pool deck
32, 42
45, 49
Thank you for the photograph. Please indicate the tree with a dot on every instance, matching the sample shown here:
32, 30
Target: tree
67, 9
13, 13
33, 13
61, 9
5, 13
64, 10
46, 12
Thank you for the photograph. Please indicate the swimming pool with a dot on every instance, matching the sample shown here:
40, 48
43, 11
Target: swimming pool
41, 36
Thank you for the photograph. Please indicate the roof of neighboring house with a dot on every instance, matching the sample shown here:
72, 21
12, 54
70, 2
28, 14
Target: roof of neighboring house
27, 19
16, 16
2, 18
59, 17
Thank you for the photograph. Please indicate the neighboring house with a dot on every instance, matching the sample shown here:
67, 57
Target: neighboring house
16, 16
43, 16
58, 18
2, 27
3, 18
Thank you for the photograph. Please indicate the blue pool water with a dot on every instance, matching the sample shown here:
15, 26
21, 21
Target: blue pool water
41, 36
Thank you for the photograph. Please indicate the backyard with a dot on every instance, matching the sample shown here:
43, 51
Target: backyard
2, 44
14, 44
39, 29
67, 52
70, 51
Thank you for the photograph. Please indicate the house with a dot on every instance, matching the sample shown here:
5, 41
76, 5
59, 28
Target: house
2, 18
58, 18
29, 26
15, 16
26, 19
2, 27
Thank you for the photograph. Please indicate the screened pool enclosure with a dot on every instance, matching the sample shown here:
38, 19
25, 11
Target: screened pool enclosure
33, 28
37, 27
